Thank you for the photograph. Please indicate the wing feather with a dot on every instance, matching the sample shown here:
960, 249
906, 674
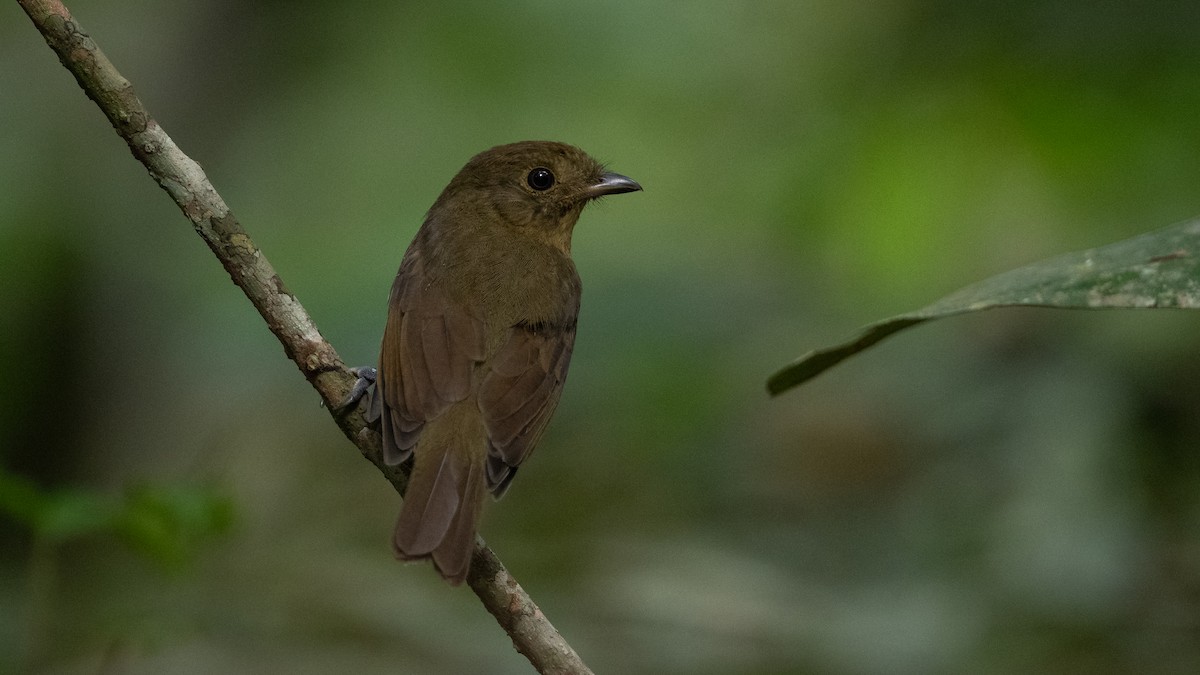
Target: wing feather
519, 395
430, 348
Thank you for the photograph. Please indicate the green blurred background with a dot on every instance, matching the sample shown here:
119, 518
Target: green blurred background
1013, 492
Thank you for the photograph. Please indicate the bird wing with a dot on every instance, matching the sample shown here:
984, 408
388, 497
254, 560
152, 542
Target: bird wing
519, 393
430, 347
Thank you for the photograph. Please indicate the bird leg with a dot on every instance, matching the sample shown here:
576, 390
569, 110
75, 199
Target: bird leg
366, 380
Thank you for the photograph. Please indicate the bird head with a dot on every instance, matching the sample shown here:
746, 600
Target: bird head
537, 186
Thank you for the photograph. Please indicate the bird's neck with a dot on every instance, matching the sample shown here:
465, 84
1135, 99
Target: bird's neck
516, 275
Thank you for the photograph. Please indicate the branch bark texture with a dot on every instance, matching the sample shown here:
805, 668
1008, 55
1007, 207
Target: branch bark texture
184, 180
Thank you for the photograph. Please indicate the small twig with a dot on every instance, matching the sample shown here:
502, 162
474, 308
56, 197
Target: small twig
182, 178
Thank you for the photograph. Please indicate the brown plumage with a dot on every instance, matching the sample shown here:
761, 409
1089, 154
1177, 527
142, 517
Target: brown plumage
480, 328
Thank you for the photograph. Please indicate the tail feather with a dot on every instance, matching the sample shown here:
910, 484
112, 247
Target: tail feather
430, 504
452, 557
440, 513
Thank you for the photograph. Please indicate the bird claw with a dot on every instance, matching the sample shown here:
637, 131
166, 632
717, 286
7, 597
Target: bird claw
366, 379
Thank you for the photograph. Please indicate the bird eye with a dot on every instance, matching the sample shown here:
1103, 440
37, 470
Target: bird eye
540, 179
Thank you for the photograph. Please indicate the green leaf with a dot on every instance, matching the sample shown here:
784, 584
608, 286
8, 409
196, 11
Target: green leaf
20, 498
1158, 270
58, 514
169, 523
68, 514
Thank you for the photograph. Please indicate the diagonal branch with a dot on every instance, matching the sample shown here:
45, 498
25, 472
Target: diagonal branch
182, 178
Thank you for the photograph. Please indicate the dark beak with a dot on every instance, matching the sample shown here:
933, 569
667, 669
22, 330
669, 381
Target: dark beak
612, 184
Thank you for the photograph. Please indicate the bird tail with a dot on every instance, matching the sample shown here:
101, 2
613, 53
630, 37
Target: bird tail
444, 499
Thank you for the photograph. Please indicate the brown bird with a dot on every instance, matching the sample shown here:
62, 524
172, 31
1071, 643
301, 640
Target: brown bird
480, 328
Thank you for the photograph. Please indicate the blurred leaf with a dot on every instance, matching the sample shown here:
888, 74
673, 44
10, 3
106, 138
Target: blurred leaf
1151, 271
20, 498
168, 523
56, 514
165, 523
67, 514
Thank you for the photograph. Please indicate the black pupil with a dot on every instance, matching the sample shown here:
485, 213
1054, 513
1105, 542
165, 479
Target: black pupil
541, 179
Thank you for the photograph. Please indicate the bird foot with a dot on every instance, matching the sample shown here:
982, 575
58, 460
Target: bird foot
366, 379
